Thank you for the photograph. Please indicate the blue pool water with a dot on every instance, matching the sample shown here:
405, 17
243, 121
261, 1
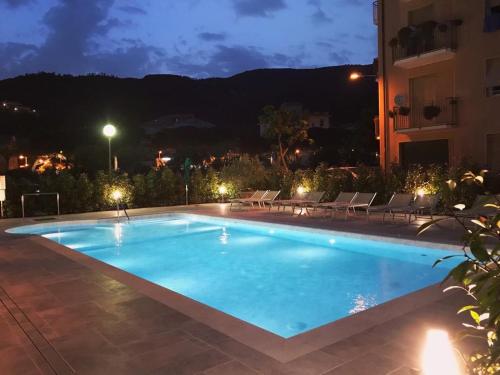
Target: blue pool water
284, 280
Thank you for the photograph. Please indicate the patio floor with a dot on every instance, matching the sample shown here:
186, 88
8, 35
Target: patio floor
60, 317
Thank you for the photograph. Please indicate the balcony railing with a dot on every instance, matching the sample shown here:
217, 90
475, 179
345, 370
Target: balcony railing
413, 41
440, 113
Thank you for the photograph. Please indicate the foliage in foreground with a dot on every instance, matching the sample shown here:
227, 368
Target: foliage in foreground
479, 276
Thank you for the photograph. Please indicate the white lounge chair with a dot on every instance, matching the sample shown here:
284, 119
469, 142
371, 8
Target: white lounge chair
361, 200
343, 200
313, 198
296, 199
419, 206
398, 201
254, 198
270, 198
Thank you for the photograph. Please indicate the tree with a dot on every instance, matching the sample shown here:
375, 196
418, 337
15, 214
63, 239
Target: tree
287, 127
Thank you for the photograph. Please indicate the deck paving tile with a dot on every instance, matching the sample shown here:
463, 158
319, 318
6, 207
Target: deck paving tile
193, 364
153, 341
368, 364
230, 368
204, 332
16, 361
314, 363
160, 357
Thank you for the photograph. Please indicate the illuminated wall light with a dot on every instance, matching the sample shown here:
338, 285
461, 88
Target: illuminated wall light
354, 76
301, 190
438, 357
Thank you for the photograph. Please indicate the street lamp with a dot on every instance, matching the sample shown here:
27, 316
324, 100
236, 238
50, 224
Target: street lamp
354, 76
109, 131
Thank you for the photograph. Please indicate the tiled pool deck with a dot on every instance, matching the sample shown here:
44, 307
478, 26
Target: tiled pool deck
58, 316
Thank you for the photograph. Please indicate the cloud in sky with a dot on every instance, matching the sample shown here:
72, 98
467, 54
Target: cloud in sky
258, 8
212, 37
134, 38
319, 16
15, 3
131, 9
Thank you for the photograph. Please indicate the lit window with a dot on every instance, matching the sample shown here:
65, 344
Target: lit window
493, 77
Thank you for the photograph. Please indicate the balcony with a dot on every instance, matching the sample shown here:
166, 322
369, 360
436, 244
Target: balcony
440, 114
427, 43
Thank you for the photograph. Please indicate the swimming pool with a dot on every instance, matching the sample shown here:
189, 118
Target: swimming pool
286, 280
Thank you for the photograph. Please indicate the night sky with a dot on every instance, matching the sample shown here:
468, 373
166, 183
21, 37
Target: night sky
197, 38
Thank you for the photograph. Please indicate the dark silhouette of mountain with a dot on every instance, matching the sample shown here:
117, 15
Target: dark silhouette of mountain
70, 110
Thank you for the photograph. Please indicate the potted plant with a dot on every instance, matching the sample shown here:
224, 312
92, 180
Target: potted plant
393, 43
404, 35
404, 111
431, 111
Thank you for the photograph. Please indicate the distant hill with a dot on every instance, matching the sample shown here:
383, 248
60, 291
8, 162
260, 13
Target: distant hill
71, 109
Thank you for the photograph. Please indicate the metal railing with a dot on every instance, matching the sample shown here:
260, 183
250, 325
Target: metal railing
425, 114
425, 38
375, 12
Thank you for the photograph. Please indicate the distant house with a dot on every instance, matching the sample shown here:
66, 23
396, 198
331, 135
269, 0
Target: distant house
319, 120
175, 121
15, 107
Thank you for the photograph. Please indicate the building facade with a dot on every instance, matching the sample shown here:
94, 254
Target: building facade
439, 81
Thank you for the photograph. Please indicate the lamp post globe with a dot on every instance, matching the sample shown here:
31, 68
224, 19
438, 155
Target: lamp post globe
109, 132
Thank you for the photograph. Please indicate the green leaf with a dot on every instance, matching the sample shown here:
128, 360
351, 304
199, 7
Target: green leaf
428, 224
479, 251
444, 258
466, 308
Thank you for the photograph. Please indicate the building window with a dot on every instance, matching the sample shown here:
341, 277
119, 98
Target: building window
493, 151
321, 123
421, 15
423, 153
492, 16
493, 77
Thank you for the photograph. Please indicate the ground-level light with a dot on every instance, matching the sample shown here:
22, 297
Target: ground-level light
222, 189
301, 190
116, 195
438, 357
421, 192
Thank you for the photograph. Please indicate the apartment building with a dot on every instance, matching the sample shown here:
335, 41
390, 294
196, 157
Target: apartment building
439, 81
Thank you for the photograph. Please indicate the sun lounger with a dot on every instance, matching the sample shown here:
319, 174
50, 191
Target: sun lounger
296, 199
478, 207
398, 201
343, 200
312, 200
270, 198
361, 200
254, 198
419, 206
